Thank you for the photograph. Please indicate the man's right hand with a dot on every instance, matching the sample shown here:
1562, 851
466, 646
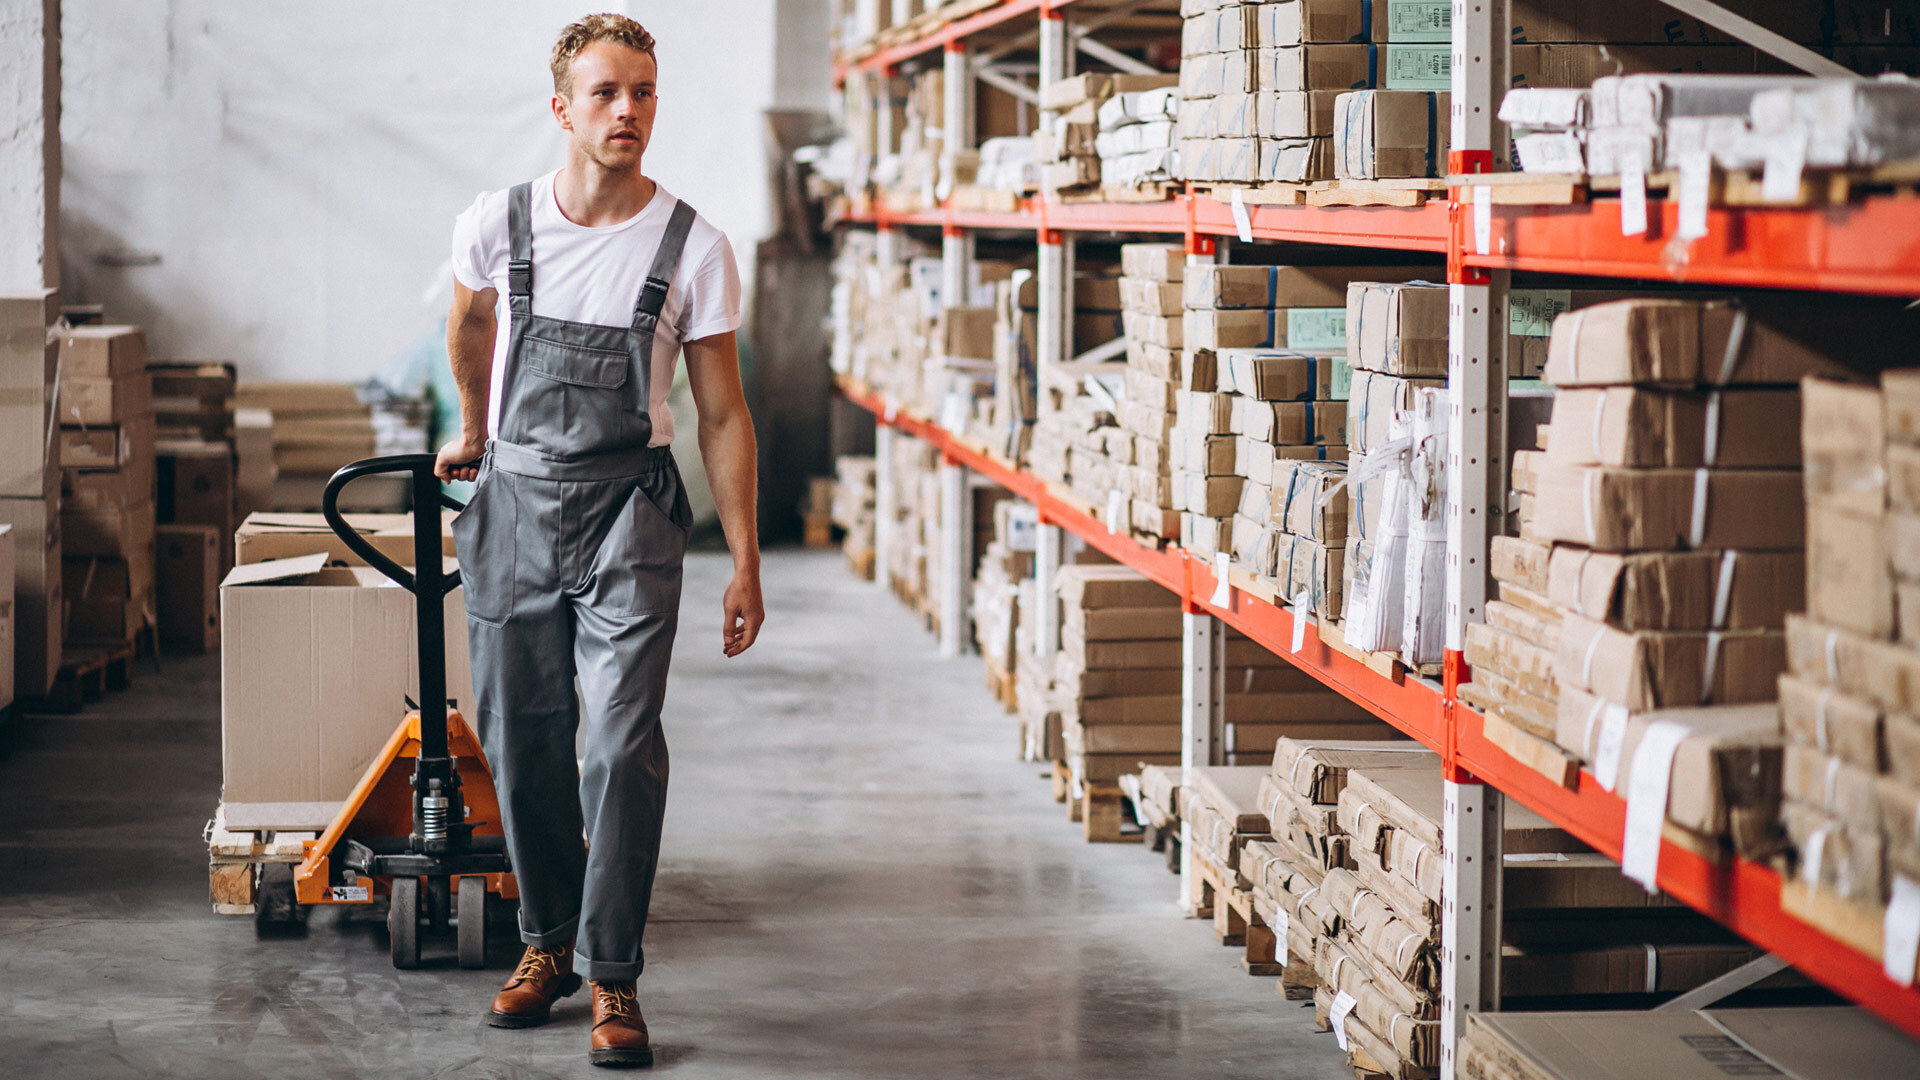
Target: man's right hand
460, 459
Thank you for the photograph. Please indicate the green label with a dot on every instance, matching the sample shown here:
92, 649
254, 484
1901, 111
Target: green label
1317, 328
1341, 379
1530, 312
1418, 67
1420, 20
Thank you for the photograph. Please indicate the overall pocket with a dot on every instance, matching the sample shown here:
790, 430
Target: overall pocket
640, 561
575, 397
484, 541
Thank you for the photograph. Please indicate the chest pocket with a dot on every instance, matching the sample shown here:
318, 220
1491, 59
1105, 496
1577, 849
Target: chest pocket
575, 363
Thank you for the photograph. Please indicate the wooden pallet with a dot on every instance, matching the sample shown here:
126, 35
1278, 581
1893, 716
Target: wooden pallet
1062, 779
1001, 685
1165, 840
87, 673
1105, 815
1235, 923
234, 858
1397, 191
861, 563
1738, 187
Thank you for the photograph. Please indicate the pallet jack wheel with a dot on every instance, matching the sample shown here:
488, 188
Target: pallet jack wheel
471, 919
403, 922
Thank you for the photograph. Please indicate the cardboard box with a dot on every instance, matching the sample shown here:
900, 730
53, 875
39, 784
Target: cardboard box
316, 662
102, 579
119, 533
1397, 328
187, 601
28, 361
267, 536
1154, 262
1613, 509
293, 399
1284, 374
1373, 400
1843, 436
1679, 590
1627, 425
38, 604
1648, 669
1309, 499
1679, 344
1850, 567
107, 491
1111, 586
1149, 297
1099, 86
1293, 423
1809, 1042
1847, 727
1302, 565
1841, 791
117, 446
86, 401
1390, 133
1214, 286
102, 352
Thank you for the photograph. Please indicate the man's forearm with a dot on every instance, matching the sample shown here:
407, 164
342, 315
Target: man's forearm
727, 448
470, 354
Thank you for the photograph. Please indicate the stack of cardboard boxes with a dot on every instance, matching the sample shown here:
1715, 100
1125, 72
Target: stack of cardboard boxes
997, 614
1136, 141
1151, 288
30, 486
107, 510
1819, 1042
1852, 771
194, 411
1067, 144
853, 510
319, 427
1671, 485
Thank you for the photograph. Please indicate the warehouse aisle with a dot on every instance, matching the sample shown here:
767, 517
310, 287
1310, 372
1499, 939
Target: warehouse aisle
859, 881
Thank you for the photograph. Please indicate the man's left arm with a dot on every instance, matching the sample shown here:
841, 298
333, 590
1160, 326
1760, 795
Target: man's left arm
732, 459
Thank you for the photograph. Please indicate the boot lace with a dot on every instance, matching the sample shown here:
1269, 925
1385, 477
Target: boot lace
536, 962
616, 999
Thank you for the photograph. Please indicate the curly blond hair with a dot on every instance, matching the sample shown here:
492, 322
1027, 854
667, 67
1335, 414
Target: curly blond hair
592, 28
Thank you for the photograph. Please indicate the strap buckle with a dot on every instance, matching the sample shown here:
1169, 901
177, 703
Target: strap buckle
653, 297
520, 277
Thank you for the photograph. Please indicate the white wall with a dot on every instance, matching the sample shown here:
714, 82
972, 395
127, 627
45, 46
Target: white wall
274, 182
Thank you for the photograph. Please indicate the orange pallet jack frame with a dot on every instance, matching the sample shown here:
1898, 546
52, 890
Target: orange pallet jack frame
422, 827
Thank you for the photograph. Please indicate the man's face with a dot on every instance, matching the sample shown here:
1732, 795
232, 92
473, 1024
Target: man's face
610, 111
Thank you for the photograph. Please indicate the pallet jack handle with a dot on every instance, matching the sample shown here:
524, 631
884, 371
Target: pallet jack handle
429, 582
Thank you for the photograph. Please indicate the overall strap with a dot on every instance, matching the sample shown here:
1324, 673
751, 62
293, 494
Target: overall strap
653, 294
520, 250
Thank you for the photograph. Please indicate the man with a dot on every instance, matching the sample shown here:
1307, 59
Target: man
571, 545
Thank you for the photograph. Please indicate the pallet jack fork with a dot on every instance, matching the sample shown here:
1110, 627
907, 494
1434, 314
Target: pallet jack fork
432, 825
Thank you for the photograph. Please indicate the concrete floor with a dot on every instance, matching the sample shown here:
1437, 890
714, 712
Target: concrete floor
859, 880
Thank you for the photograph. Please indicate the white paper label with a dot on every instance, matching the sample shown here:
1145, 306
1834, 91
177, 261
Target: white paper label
1280, 935
1786, 159
1116, 511
1302, 604
1901, 931
1633, 200
1223, 586
1696, 179
1647, 800
1343, 1004
347, 894
1482, 219
1606, 755
1242, 221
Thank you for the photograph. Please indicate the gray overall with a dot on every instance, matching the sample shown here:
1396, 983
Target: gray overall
571, 551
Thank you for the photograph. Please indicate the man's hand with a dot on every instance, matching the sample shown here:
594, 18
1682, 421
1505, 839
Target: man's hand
742, 613
460, 458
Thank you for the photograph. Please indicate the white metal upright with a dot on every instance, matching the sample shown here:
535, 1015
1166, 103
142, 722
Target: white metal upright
1472, 826
1053, 340
884, 507
956, 280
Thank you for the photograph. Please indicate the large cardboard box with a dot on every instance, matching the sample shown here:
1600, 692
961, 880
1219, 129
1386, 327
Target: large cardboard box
1679, 590
196, 488
1808, 1042
102, 352
1662, 669
1679, 344
86, 401
124, 532
1390, 133
1671, 509
29, 356
1628, 425
38, 605
1399, 329
188, 599
316, 662
268, 536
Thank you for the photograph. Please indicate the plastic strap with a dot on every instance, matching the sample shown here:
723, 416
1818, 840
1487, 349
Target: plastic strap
1736, 344
1586, 661
1599, 420
1833, 657
1573, 344
1653, 970
1590, 482
1820, 723
1373, 65
1580, 583
1723, 589
1587, 749
1816, 854
1433, 117
1413, 936
1832, 782
1366, 20
1697, 531
520, 249
1711, 666
1710, 451
666, 262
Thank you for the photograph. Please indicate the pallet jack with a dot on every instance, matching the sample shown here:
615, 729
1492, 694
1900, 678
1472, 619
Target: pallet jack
431, 827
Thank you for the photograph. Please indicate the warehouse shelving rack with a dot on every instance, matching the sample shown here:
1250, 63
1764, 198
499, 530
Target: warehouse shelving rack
1869, 246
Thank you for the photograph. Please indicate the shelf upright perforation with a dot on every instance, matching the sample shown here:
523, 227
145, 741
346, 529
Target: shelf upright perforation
1473, 811
956, 279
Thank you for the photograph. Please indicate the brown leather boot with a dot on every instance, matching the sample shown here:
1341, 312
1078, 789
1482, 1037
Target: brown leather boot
619, 1032
543, 977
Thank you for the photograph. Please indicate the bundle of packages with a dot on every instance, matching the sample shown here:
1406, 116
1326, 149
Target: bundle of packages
1511, 653
1136, 141
1259, 82
319, 427
1396, 425
1118, 679
1150, 291
1157, 789
1016, 373
1067, 144
1380, 134
1809, 1042
1671, 487
853, 509
915, 525
1005, 562
1852, 769
1263, 384
1078, 441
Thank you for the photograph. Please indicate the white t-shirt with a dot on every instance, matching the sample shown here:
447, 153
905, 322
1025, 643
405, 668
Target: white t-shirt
593, 275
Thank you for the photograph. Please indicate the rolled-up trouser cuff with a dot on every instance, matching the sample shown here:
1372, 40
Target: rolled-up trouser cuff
605, 970
552, 939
